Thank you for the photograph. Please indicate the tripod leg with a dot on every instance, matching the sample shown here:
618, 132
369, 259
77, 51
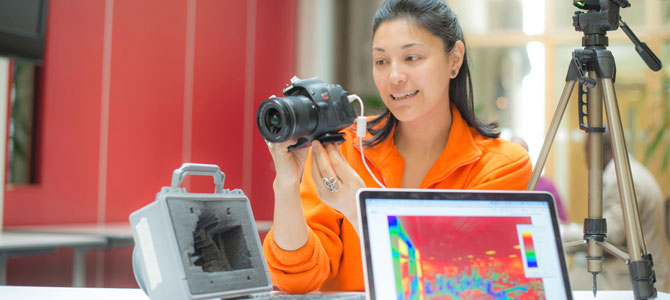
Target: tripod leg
640, 263
551, 134
634, 235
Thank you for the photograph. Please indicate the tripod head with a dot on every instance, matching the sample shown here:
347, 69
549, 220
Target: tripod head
602, 16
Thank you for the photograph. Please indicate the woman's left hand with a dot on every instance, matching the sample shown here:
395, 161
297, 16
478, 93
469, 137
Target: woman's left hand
336, 181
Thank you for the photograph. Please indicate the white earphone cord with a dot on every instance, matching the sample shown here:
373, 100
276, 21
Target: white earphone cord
361, 126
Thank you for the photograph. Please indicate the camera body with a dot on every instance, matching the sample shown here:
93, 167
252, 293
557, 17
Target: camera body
310, 110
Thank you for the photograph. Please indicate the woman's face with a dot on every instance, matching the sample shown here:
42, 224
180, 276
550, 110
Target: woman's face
411, 70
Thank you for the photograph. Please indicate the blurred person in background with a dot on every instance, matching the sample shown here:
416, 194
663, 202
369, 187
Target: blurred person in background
653, 218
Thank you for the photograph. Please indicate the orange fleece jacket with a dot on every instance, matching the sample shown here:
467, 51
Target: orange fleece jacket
331, 258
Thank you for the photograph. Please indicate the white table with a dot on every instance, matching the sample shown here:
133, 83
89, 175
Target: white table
612, 295
116, 234
64, 293
31, 243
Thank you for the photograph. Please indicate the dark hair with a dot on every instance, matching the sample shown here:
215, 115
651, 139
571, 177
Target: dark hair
436, 17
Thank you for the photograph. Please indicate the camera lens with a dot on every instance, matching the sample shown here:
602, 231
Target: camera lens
280, 119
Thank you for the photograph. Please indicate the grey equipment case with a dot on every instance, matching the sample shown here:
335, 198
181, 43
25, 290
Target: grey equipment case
198, 245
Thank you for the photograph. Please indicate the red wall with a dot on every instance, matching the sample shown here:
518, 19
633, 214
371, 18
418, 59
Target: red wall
147, 127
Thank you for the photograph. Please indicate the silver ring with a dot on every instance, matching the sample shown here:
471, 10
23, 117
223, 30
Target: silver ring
332, 184
270, 144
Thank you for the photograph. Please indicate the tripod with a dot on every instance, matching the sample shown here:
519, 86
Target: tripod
595, 69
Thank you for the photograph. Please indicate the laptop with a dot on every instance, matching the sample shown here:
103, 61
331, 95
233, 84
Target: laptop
457, 244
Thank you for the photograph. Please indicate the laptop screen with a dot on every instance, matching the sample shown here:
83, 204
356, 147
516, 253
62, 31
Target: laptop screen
461, 245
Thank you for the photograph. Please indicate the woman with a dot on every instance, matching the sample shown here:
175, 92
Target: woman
428, 138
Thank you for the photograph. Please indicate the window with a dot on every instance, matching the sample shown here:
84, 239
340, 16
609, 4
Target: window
22, 142
504, 60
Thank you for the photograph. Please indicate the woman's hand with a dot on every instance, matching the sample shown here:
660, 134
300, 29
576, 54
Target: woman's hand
290, 228
288, 164
336, 181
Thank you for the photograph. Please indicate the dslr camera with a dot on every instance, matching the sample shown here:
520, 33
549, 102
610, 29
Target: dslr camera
310, 110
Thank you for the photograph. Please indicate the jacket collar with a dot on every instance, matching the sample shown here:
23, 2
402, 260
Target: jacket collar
461, 150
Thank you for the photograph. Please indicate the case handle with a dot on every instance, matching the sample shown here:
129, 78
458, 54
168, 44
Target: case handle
198, 169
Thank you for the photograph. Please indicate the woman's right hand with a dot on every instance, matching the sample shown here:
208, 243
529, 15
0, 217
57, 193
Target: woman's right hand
289, 165
290, 228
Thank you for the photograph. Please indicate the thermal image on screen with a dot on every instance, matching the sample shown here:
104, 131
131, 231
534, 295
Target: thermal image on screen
461, 258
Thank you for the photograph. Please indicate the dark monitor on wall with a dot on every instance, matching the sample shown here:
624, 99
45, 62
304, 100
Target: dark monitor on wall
23, 28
